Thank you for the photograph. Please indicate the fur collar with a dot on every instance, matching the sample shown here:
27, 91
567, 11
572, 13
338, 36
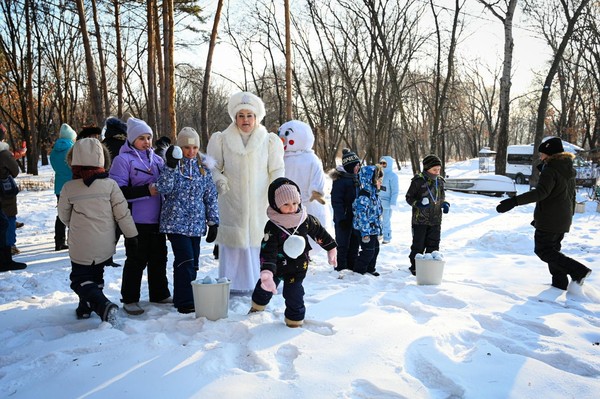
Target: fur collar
233, 140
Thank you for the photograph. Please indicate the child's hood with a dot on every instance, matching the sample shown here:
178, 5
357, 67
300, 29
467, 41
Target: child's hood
365, 177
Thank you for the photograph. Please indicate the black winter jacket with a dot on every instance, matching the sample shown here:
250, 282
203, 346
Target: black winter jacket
554, 194
424, 186
274, 259
343, 194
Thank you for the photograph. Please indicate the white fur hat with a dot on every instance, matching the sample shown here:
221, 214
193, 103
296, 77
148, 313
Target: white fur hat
248, 101
135, 128
188, 136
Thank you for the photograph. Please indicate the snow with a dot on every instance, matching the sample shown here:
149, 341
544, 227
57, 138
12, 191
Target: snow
493, 328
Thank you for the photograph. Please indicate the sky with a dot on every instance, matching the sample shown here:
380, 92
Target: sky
482, 40
493, 328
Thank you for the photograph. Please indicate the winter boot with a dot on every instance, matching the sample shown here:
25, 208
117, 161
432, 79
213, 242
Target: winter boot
83, 311
108, 312
293, 323
6, 261
133, 308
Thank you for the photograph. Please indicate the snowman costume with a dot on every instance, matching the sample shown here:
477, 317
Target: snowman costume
304, 168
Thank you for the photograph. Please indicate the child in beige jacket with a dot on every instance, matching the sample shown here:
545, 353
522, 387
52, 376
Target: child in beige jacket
91, 205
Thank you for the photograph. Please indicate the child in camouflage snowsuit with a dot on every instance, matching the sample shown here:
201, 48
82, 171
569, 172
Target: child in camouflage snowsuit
367, 211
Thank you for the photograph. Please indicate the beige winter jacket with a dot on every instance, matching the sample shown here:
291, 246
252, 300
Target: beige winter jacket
92, 213
242, 175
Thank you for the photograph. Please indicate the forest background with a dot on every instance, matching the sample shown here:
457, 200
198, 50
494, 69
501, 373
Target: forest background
401, 78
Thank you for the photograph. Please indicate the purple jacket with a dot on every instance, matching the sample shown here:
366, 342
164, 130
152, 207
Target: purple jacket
134, 171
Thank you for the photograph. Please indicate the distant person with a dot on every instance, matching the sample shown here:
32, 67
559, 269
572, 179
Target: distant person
115, 135
136, 170
8, 166
161, 145
190, 210
90, 132
554, 196
343, 193
248, 159
388, 194
367, 219
91, 205
62, 174
284, 250
426, 195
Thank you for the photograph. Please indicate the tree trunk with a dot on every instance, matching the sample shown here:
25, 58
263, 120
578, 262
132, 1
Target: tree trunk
288, 62
119, 58
206, 84
543, 106
94, 93
103, 82
151, 102
168, 117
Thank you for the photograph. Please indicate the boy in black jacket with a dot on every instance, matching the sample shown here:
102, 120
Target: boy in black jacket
554, 196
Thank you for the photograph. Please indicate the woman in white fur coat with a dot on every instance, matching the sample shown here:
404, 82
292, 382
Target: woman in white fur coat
248, 158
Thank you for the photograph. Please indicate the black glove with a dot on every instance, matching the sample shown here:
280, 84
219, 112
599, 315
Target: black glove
346, 224
131, 245
506, 205
445, 207
172, 156
212, 233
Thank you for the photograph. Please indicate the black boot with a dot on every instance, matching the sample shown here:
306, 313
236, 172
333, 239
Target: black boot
83, 311
6, 261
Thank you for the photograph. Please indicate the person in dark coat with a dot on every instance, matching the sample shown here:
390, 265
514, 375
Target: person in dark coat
90, 132
115, 135
8, 166
554, 196
343, 193
284, 250
427, 198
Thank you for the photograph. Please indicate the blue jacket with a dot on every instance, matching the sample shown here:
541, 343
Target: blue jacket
58, 160
367, 206
190, 198
388, 193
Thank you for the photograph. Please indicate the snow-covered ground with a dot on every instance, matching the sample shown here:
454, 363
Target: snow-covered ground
494, 328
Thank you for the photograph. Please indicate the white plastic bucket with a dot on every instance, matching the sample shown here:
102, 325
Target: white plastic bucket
429, 271
580, 207
211, 300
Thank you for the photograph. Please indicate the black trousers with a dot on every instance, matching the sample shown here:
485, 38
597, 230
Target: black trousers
547, 248
425, 239
59, 229
88, 282
293, 293
347, 249
367, 257
151, 253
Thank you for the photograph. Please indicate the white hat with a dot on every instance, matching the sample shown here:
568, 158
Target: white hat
88, 152
135, 128
67, 132
247, 101
188, 136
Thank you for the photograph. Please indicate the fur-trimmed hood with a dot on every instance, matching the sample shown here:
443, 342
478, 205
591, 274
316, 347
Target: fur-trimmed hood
562, 162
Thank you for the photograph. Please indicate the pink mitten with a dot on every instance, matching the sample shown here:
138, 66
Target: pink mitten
332, 257
266, 281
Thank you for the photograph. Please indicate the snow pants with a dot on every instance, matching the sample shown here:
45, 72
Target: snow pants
151, 252
547, 248
425, 239
185, 268
293, 293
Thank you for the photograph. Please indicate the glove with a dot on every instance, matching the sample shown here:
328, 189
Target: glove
366, 239
346, 224
424, 203
222, 187
445, 207
332, 257
506, 205
266, 281
211, 236
131, 245
173, 155
316, 196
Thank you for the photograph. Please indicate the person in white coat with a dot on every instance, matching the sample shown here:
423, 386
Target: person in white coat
304, 168
248, 158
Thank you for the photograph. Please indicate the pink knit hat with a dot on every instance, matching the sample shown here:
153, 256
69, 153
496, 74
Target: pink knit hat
286, 194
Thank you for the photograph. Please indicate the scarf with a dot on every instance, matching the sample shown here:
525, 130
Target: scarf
287, 220
88, 173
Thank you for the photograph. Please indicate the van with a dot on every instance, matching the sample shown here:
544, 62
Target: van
519, 159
